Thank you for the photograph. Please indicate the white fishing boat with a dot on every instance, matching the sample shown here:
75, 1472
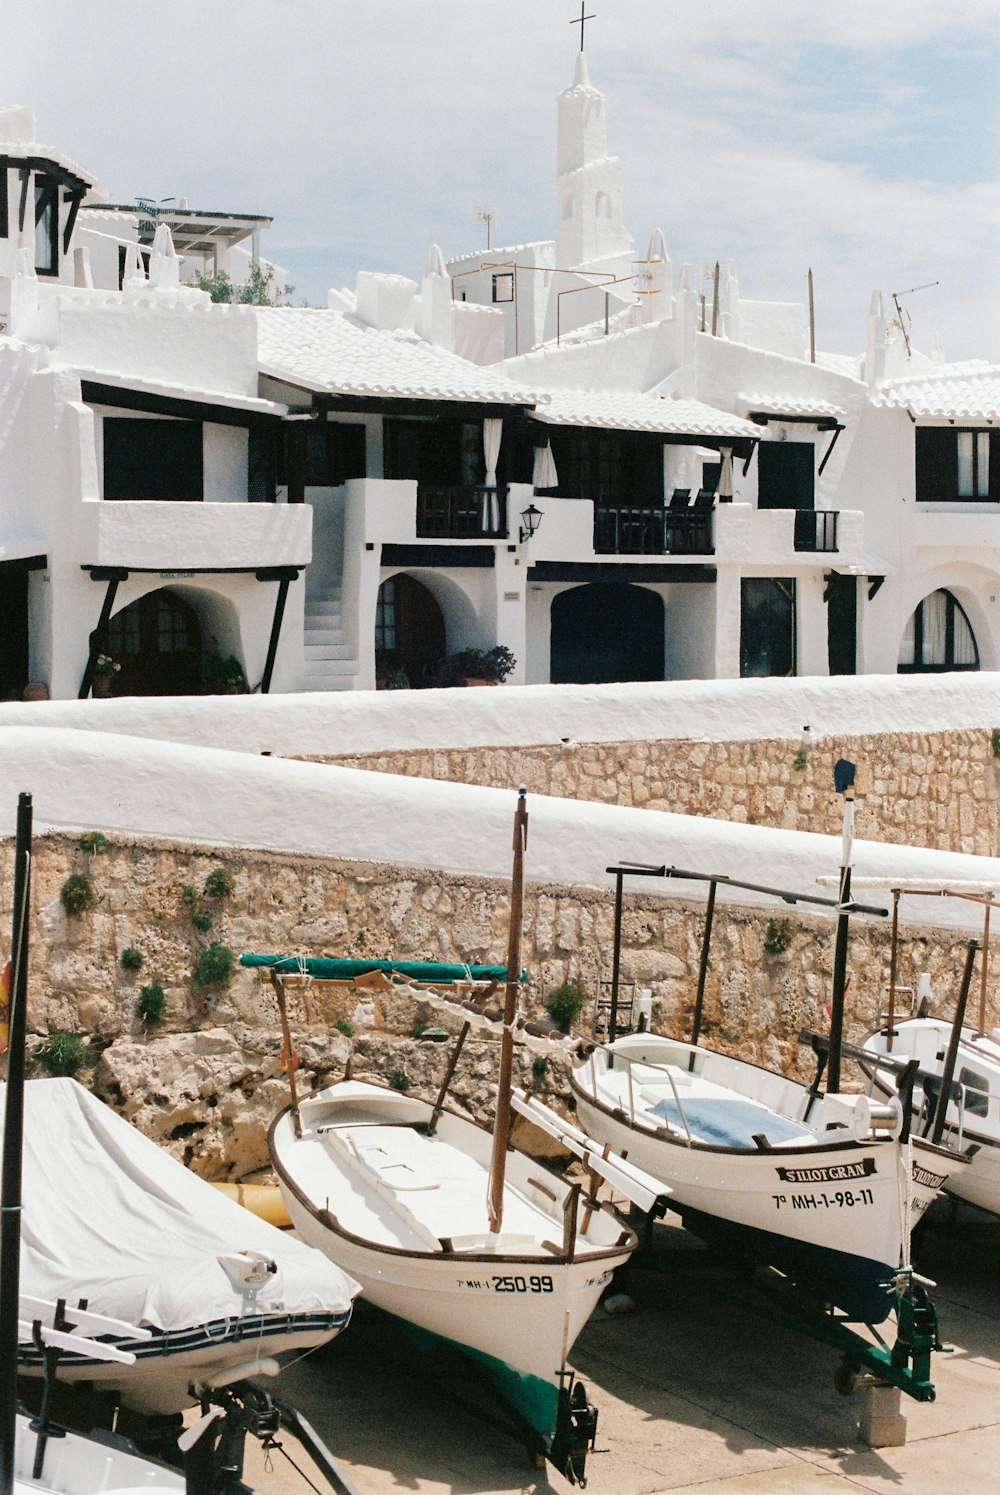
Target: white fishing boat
818, 1187
48, 1456
971, 1121
461, 1237
111, 1218
821, 1187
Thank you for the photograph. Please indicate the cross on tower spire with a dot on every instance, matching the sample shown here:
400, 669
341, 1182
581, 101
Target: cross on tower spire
581, 21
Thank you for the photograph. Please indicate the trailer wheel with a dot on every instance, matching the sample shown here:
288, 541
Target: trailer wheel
845, 1379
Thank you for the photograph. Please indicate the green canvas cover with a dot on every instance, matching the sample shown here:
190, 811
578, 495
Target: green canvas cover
332, 968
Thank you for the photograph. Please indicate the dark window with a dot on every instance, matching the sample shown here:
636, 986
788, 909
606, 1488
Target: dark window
445, 453
157, 642
153, 459
605, 466
46, 226
13, 630
842, 624
956, 466
262, 463
937, 638
409, 631
4, 199
767, 626
786, 476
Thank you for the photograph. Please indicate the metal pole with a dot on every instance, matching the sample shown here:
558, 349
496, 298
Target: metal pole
715, 301
843, 779
616, 961
502, 1121
13, 1136
948, 1073
449, 1075
894, 950
812, 321
986, 960
703, 966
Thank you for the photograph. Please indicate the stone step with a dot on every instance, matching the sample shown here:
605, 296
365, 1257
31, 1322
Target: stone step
319, 653
329, 667
322, 635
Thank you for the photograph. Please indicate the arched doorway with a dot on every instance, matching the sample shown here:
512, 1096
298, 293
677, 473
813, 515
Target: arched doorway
606, 631
938, 638
157, 642
409, 630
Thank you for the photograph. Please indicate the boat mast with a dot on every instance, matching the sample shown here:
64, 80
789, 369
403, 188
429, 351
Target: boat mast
502, 1120
843, 783
13, 1132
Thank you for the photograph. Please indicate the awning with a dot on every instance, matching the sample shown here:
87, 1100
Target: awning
149, 388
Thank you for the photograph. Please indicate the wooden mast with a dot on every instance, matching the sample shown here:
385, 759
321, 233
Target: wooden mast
502, 1120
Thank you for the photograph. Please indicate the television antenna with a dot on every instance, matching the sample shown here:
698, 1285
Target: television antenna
899, 310
486, 215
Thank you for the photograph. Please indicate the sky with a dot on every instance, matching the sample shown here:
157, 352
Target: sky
860, 138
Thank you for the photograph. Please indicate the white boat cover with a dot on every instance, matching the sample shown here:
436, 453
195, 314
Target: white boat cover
111, 1217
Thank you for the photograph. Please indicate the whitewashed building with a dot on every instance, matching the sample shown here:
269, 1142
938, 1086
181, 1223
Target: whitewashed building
616, 472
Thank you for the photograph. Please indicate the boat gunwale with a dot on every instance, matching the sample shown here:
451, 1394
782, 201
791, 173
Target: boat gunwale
625, 1246
696, 1144
972, 1138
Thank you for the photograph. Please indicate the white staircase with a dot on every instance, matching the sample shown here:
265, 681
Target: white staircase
327, 658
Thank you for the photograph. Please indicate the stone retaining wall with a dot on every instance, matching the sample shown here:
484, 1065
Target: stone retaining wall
938, 790
207, 1082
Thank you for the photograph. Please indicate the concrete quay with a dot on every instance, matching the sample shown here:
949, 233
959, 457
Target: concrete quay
695, 1395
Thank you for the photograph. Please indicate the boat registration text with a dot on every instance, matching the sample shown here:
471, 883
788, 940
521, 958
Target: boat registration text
841, 1199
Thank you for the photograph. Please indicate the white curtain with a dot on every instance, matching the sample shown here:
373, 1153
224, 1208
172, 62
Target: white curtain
544, 473
935, 611
492, 432
725, 489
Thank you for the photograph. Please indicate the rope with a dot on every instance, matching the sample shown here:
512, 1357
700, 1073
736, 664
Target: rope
273, 1443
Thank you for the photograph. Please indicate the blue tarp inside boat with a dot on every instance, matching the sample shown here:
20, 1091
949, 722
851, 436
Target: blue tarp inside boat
730, 1123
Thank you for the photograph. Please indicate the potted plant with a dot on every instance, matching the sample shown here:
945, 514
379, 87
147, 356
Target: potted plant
482, 666
105, 670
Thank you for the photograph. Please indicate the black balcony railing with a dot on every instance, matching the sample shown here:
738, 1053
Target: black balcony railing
475, 513
624, 529
816, 529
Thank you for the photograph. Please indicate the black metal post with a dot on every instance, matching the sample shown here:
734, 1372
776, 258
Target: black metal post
13, 1133
272, 644
948, 1073
100, 633
616, 959
706, 944
839, 986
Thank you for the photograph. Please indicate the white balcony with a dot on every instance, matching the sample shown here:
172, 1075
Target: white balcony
195, 536
952, 525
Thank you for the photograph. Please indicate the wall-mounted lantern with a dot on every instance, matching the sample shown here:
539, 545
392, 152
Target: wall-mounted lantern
531, 518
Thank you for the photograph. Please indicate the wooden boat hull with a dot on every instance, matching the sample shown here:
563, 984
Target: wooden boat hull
833, 1216
517, 1309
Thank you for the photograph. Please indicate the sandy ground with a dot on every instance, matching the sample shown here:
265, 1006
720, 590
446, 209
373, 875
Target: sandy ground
695, 1394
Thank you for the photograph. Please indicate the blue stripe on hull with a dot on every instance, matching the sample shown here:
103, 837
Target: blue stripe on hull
851, 1283
212, 1336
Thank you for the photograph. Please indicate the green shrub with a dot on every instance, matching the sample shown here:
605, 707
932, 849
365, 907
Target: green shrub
399, 1080
799, 761
219, 884
77, 894
65, 1053
202, 920
539, 1066
189, 896
995, 740
131, 959
778, 936
418, 1030
94, 842
564, 1004
214, 967
151, 1006
343, 1026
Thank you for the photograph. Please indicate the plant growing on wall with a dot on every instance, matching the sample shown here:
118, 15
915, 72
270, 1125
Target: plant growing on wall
564, 1004
151, 1006
131, 959
65, 1053
214, 967
219, 884
799, 761
94, 843
995, 741
399, 1080
77, 894
778, 936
